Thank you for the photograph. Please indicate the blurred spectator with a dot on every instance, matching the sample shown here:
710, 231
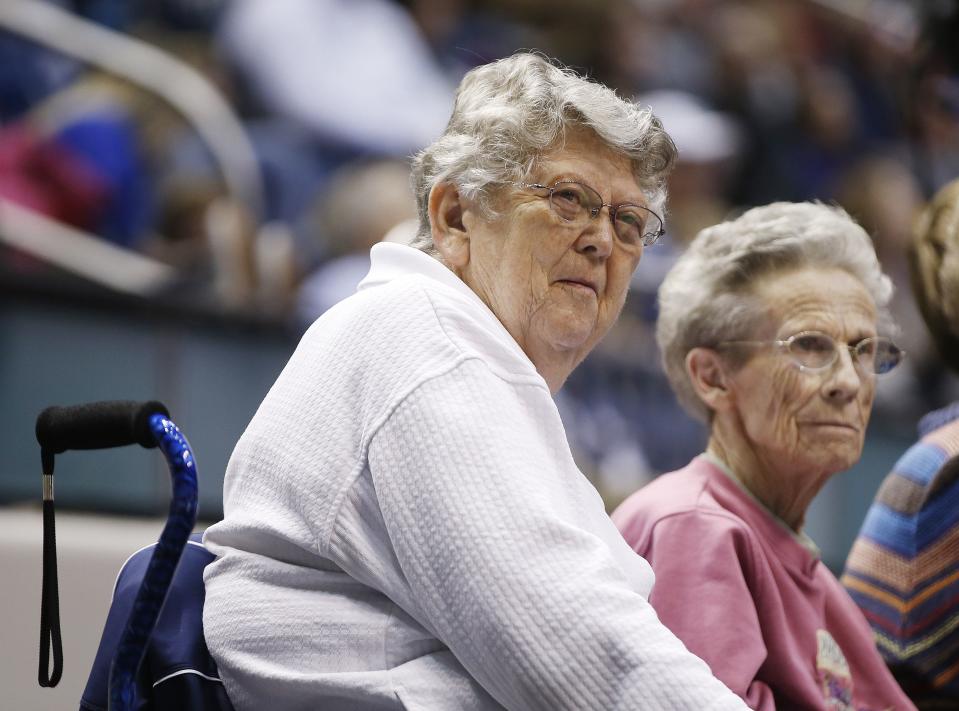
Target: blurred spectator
758, 83
99, 121
935, 100
361, 204
709, 144
356, 72
829, 140
82, 155
659, 45
38, 173
881, 193
30, 73
463, 34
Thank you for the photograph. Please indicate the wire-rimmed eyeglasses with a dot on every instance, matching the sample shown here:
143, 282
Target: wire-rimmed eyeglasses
635, 226
815, 351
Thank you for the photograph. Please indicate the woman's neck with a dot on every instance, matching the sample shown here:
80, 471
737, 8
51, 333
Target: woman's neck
785, 491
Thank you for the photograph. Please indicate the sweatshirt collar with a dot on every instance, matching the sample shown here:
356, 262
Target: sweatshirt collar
390, 261
759, 514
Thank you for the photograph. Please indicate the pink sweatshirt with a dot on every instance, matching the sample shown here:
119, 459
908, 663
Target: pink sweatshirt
751, 598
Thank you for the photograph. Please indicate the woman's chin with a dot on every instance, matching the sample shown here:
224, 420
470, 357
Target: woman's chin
577, 342
564, 331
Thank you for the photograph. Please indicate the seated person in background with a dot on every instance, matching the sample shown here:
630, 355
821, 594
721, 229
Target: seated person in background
903, 570
771, 330
348, 229
405, 527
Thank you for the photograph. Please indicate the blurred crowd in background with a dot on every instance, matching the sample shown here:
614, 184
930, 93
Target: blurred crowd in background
854, 102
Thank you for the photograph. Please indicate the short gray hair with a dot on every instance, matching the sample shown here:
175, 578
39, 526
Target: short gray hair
511, 111
704, 298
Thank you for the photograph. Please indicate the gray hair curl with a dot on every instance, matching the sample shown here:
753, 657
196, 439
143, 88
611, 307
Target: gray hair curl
704, 298
511, 111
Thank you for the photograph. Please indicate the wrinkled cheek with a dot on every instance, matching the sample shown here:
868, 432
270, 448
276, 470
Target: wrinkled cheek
766, 430
792, 438
775, 419
783, 433
620, 295
787, 399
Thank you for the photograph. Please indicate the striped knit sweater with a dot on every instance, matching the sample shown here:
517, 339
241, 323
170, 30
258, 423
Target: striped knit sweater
903, 570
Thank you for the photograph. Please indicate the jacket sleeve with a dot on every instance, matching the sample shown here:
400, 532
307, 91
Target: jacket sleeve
906, 548
703, 594
485, 512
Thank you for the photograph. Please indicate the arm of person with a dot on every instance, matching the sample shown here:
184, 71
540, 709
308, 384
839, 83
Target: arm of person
901, 555
704, 595
488, 519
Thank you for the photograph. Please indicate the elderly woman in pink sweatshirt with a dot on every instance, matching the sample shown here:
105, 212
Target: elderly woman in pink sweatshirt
771, 328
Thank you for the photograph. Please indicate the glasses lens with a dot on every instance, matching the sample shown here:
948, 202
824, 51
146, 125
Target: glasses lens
878, 355
812, 350
654, 228
630, 224
573, 201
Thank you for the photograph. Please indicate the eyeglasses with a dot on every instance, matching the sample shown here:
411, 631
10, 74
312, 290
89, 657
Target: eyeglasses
635, 226
815, 351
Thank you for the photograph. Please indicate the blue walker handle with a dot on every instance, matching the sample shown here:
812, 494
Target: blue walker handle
163, 562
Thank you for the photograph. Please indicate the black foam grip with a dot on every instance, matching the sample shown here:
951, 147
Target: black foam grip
98, 425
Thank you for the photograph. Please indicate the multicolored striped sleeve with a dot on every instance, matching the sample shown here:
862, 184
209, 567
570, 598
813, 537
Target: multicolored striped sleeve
903, 570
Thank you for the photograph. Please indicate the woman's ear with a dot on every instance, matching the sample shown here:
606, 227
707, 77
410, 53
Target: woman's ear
450, 235
707, 373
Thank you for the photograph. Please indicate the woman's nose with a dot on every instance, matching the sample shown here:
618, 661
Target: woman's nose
844, 378
598, 236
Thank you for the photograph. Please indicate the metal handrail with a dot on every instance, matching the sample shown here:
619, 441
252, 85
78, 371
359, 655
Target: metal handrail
81, 253
179, 84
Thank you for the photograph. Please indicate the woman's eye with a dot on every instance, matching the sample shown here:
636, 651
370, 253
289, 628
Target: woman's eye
812, 343
568, 195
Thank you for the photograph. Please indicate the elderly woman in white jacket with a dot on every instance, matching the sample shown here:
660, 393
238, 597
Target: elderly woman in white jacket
405, 527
